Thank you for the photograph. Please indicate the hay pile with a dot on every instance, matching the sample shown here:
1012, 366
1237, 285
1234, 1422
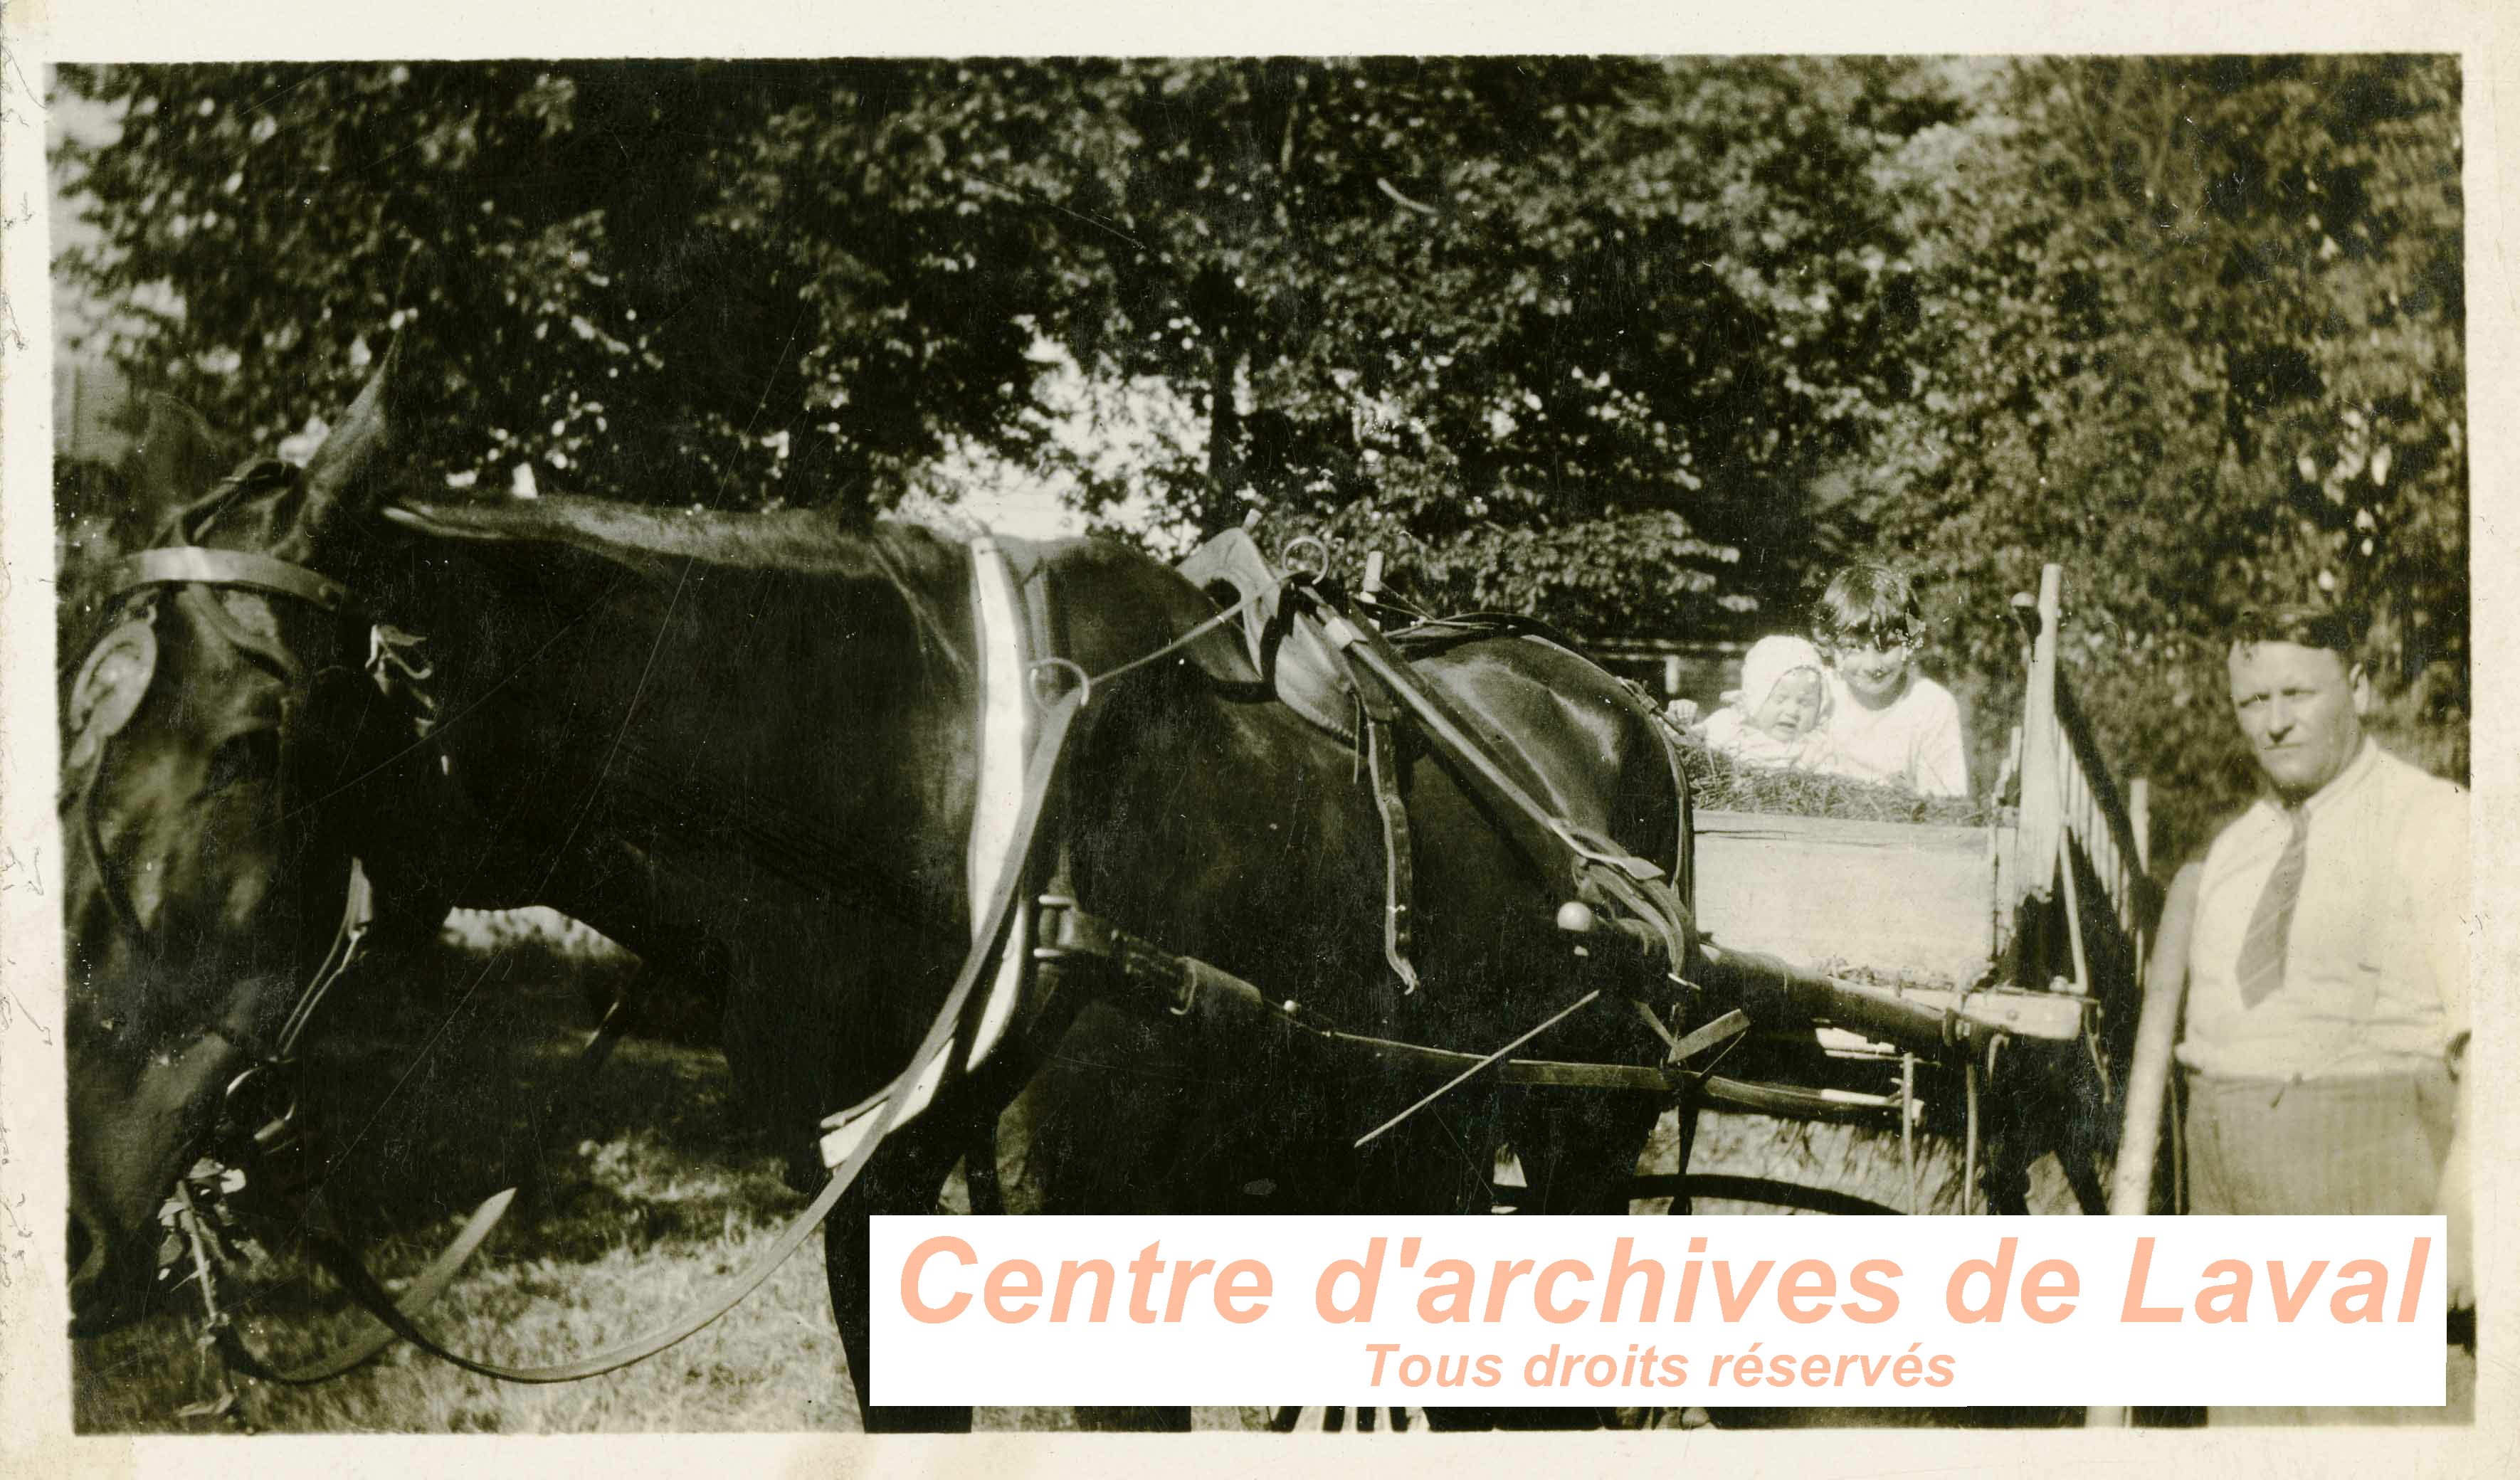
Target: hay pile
1721, 783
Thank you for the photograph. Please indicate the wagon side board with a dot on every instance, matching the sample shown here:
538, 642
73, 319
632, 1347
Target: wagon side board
1915, 901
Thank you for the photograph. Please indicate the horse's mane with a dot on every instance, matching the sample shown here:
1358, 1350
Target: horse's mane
921, 563
813, 541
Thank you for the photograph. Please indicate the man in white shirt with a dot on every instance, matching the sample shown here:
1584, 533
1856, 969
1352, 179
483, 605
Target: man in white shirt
2326, 1009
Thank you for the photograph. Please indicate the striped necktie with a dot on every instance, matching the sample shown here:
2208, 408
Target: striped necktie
2262, 949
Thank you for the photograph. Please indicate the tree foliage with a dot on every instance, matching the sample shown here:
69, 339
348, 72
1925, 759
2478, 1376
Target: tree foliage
2196, 332
1569, 335
1636, 344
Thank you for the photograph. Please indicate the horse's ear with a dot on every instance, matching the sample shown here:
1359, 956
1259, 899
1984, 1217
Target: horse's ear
346, 474
178, 455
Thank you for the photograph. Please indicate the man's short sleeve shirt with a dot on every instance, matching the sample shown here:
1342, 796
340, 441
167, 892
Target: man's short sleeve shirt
2375, 967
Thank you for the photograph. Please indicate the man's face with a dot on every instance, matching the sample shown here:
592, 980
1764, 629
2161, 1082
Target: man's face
2302, 709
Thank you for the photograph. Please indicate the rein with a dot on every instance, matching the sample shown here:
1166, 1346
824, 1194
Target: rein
900, 1100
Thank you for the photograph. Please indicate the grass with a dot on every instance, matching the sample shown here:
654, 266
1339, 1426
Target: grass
656, 1191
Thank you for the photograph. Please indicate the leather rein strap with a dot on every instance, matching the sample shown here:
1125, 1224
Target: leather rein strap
989, 942
398, 1317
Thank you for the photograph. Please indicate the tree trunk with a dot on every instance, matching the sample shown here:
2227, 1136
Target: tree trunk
1224, 464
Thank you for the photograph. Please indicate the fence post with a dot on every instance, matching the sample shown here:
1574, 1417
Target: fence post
2034, 849
2139, 813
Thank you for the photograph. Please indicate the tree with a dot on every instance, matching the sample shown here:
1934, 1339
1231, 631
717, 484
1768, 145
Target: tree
558, 246
1569, 335
2194, 329
1565, 335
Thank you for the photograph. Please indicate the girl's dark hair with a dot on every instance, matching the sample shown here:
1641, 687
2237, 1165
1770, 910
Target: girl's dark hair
1868, 603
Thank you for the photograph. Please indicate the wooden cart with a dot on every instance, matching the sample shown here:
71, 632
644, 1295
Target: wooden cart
2039, 916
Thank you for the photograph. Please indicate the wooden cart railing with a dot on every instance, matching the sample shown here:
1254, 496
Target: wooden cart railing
2073, 826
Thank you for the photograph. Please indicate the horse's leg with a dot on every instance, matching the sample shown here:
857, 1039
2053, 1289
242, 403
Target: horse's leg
1579, 1149
1587, 1143
1095, 1131
904, 1177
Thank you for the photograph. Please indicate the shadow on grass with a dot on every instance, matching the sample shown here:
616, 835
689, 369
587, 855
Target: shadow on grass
430, 1090
432, 1084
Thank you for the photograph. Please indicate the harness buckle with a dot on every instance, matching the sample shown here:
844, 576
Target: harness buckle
1053, 937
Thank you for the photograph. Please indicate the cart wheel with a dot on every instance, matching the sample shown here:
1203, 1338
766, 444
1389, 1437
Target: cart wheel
1334, 1420
1783, 1195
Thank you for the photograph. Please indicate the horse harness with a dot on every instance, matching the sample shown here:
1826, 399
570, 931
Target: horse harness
1030, 697
116, 675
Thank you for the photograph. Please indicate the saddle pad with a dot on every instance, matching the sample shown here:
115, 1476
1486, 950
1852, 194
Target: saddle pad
1300, 668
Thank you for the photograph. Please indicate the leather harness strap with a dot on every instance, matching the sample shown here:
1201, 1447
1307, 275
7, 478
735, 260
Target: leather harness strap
194, 566
986, 946
1217, 1003
1376, 716
433, 1279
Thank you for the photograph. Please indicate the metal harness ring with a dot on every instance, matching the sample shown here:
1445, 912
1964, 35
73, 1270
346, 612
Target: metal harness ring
1318, 571
1045, 697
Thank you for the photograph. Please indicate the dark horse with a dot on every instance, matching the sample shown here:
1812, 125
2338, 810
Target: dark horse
743, 747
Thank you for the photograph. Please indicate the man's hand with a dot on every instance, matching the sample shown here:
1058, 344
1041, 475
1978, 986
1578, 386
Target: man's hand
2451, 1203
1683, 713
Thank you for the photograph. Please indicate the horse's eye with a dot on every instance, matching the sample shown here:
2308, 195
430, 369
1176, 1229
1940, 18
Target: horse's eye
248, 755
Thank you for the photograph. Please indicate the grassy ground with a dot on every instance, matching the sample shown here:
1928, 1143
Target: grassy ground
656, 1191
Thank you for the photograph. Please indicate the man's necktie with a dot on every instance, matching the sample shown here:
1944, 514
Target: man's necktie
2262, 949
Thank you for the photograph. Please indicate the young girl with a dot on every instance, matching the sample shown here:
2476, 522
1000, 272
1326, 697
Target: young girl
1886, 721
1776, 717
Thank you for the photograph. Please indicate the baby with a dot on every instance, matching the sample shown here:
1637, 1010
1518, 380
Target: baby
1777, 717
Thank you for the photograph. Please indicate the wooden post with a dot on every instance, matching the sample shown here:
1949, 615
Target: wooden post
2042, 799
2139, 813
1373, 580
2156, 1037
1671, 675
2149, 1090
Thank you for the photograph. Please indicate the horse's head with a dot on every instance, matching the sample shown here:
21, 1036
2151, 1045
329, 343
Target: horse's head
208, 876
